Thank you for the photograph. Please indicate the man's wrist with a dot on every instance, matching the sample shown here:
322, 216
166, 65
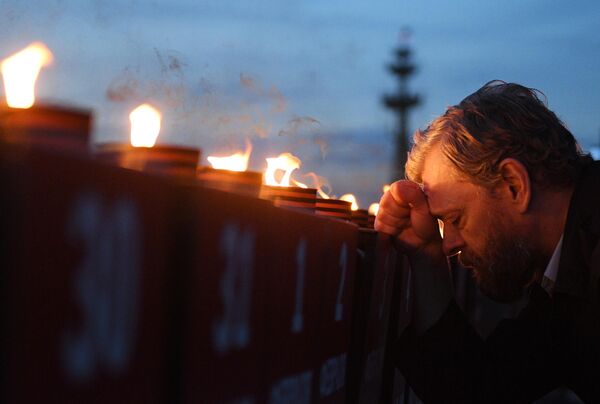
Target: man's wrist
429, 255
431, 284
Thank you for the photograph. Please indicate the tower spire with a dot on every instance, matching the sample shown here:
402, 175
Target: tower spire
402, 101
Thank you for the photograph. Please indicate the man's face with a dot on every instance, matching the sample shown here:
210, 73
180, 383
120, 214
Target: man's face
482, 227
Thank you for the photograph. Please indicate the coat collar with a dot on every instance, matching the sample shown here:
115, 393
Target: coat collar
582, 231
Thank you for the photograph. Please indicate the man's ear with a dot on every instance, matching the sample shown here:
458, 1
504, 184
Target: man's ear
516, 183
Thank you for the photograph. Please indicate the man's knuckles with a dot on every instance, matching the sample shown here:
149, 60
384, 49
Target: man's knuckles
390, 208
397, 222
390, 205
411, 194
384, 228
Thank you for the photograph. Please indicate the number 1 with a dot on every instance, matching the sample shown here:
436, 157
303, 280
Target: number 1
339, 306
297, 319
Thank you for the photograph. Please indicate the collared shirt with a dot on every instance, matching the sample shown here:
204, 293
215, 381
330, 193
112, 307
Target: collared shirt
552, 269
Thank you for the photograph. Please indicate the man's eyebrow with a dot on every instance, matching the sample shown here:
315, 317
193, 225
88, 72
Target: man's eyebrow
443, 213
437, 215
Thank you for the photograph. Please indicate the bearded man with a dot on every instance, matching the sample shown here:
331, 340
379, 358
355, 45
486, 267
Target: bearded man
520, 206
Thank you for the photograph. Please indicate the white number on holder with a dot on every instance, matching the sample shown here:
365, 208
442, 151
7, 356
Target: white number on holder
297, 319
294, 389
233, 329
332, 375
339, 306
106, 287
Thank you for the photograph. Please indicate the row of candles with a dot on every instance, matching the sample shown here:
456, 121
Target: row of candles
67, 130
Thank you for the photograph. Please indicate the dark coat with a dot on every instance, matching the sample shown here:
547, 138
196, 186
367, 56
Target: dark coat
554, 341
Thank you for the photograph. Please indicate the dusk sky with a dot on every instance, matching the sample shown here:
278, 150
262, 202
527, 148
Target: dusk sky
304, 76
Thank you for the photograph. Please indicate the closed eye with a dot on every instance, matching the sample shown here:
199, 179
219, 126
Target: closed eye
453, 220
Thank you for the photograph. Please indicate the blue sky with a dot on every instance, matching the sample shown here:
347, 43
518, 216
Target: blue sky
305, 76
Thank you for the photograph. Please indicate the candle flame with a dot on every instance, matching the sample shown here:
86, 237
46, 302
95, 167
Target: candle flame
299, 184
285, 162
352, 199
320, 183
386, 188
322, 193
145, 125
373, 209
20, 72
235, 162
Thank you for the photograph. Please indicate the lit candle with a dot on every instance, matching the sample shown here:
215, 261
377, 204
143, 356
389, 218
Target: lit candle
25, 122
143, 154
229, 174
280, 191
359, 216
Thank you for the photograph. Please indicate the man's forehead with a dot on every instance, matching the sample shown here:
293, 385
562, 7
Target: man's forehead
436, 167
441, 184
443, 197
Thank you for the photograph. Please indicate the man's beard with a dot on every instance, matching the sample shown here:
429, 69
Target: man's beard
505, 268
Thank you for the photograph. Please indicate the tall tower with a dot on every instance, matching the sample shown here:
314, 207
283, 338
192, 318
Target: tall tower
401, 102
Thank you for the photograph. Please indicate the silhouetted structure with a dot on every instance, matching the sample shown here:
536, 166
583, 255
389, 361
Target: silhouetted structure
401, 103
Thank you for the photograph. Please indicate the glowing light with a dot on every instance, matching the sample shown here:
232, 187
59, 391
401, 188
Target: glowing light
320, 183
285, 162
352, 199
373, 209
299, 184
320, 191
145, 125
235, 162
322, 194
386, 188
20, 72
441, 227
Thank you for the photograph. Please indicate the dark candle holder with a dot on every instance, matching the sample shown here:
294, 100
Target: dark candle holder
334, 208
246, 183
302, 199
360, 217
371, 221
55, 128
168, 161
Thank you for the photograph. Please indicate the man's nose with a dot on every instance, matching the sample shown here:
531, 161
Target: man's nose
452, 242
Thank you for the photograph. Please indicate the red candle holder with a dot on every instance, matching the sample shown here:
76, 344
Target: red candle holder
168, 161
302, 199
360, 217
371, 221
334, 208
55, 128
246, 183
